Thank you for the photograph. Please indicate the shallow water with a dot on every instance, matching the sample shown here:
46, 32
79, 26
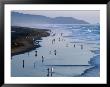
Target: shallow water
67, 53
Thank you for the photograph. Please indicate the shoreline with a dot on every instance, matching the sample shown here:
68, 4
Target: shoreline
91, 72
25, 43
95, 70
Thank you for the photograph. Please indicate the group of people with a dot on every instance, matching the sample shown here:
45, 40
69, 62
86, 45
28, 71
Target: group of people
80, 45
75, 46
49, 71
53, 34
55, 52
53, 41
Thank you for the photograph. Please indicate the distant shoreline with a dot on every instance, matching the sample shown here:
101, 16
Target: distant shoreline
22, 39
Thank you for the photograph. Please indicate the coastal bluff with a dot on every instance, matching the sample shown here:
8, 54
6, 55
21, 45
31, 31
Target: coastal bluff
22, 38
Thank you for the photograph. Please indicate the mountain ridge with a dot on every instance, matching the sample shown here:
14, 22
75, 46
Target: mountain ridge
20, 18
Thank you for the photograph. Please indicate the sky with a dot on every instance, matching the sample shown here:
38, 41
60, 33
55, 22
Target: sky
92, 16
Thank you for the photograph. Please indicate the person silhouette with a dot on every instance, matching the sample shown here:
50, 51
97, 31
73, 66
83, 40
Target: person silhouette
61, 34
42, 59
23, 63
54, 52
74, 45
34, 65
54, 40
49, 52
28, 53
81, 46
51, 71
59, 39
36, 53
47, 71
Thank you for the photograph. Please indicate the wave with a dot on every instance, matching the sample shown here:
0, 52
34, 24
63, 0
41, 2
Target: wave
91, 72
95, 70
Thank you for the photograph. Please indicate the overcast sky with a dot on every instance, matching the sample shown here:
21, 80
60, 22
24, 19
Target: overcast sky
92, 17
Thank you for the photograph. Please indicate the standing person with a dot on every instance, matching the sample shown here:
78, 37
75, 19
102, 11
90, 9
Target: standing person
54, 40
51, 71
23, 63
61, 34
34, 65
49, 52
36, 53
55, 52
53, 34
28, 53
74, 45
42, 59
81, 46
48, 72
59, 38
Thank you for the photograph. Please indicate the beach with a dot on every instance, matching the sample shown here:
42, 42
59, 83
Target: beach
67, 51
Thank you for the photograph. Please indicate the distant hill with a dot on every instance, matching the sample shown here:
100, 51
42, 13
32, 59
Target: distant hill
23, 19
